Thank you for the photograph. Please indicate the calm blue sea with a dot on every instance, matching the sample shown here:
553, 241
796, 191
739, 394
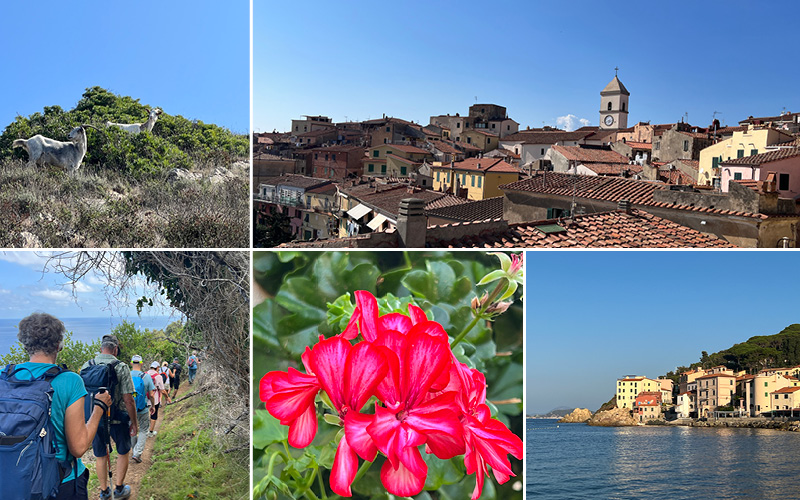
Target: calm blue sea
83, 329
575, 461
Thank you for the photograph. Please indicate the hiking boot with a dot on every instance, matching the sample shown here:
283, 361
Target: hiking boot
105, 494
136, 459
125, 492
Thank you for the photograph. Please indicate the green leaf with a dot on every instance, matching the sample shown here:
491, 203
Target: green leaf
267, 430
493, 276
441, 472
505, 260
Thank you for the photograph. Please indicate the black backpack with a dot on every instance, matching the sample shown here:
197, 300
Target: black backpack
28, 465
98, 375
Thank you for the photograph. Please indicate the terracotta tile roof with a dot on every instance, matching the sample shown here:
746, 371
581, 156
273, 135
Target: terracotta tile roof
337, 149
490, 208
407, 149
791, 144
696, 135
640, 145
617, 229
404, 160
694, 164
727, 130
749, 183
448, 200
761, 158
674, 177
716, 375
606, 188
481, 131
316, 133
300, 181
466, 147
786, 390
445, 147
781, 118
546, 136
496, 165
613, 168
590, 155
387, 198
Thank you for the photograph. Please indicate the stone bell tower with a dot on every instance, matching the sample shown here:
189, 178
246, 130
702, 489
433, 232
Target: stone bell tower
614, 105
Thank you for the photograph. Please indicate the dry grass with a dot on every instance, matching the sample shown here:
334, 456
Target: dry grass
47, 208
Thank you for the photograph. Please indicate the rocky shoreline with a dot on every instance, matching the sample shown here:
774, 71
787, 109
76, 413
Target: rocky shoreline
619, 417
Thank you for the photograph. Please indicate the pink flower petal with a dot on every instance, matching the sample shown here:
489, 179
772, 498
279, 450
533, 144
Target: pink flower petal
288, 395
365, 367
395, 321
368, 307
355, 428
400, 481
385, 430
327, 360
417, 314
351, 330
425, 359
303, 429
345, 466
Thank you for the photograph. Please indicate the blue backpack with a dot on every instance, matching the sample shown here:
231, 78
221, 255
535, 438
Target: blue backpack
28, 465
98, 375
141, 393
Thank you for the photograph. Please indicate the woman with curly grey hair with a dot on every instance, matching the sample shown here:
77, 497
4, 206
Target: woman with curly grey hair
42, 335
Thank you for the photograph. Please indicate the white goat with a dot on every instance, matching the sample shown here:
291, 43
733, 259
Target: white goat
45, 151
135, 128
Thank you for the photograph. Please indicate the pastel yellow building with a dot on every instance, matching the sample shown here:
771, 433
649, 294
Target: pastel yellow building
474, 178
394, 160
741, 144
630, 386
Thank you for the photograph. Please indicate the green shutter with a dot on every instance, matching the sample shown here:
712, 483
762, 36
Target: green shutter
715, 162
740, 153
403, 170
371, 167
473, 180
383, 168
479, 181
753, 152
375, 153
737, 176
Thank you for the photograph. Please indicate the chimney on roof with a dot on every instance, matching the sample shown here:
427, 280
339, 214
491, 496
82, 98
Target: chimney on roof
625, 206
412, 223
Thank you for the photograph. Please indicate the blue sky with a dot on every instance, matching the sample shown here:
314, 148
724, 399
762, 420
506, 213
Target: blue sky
593, 317
25, 288
189, 58
542, 60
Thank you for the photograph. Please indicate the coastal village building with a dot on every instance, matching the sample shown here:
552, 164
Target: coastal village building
715, 390
667, 388
311, 124
614, 105
758, 390
629, 387
533, 146
686, 406
786, 401
680, 142
310, 203
336, 162
786, 121
490, 118
688, 377
591, 161
474, 178
780, 167
741, 144
647, 406
394, 160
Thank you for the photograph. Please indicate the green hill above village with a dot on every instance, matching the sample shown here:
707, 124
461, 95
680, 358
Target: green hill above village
754, 354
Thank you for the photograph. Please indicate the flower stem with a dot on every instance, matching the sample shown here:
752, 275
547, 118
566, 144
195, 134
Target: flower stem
322, 487
361, 471
501, 285
272, 462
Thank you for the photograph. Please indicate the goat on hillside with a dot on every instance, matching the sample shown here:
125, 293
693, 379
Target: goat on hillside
135, 128
45, 151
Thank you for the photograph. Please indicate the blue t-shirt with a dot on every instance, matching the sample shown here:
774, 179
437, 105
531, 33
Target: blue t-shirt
67, 389
149, 386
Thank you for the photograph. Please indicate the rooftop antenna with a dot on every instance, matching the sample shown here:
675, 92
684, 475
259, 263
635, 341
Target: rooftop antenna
476, 99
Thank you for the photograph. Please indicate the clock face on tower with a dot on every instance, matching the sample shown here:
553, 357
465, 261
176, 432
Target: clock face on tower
609, 120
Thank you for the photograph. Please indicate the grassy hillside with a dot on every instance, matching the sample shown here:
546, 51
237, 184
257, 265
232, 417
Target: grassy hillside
122, 195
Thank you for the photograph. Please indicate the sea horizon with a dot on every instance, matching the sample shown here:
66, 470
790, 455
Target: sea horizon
85, 329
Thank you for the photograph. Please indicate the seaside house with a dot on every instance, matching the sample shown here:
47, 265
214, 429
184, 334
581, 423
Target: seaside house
715, 390
786, 401
758, 390
629, 387
647, 406
687, 405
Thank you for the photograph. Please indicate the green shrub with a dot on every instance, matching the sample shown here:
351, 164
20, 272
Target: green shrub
175, 142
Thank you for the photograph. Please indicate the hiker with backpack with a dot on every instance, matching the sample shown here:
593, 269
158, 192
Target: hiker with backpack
158, 382
145, 405
34, 389
105, 370
164, 371
191, 363
175, 375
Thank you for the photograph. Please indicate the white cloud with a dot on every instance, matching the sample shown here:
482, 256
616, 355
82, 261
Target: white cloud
32, 260
56, 295
94, 280
81, 287
571, 122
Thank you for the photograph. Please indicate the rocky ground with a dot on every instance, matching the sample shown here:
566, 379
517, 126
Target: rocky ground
616, 417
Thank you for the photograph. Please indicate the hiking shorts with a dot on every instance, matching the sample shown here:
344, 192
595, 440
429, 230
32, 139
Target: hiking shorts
176, 382
154, 415
120, 433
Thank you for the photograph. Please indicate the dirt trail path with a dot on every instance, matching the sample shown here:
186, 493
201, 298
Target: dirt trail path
137, 471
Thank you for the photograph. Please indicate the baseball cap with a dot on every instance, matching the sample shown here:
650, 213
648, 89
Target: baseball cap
136, 359
111, 338
154, 364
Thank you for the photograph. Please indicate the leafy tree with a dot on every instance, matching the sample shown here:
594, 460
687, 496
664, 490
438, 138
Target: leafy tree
271, 229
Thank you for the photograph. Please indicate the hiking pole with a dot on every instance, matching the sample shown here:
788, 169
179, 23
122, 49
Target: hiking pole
107, 417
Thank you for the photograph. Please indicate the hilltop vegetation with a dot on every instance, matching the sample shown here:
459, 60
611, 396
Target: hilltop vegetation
120, 196
756, 353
